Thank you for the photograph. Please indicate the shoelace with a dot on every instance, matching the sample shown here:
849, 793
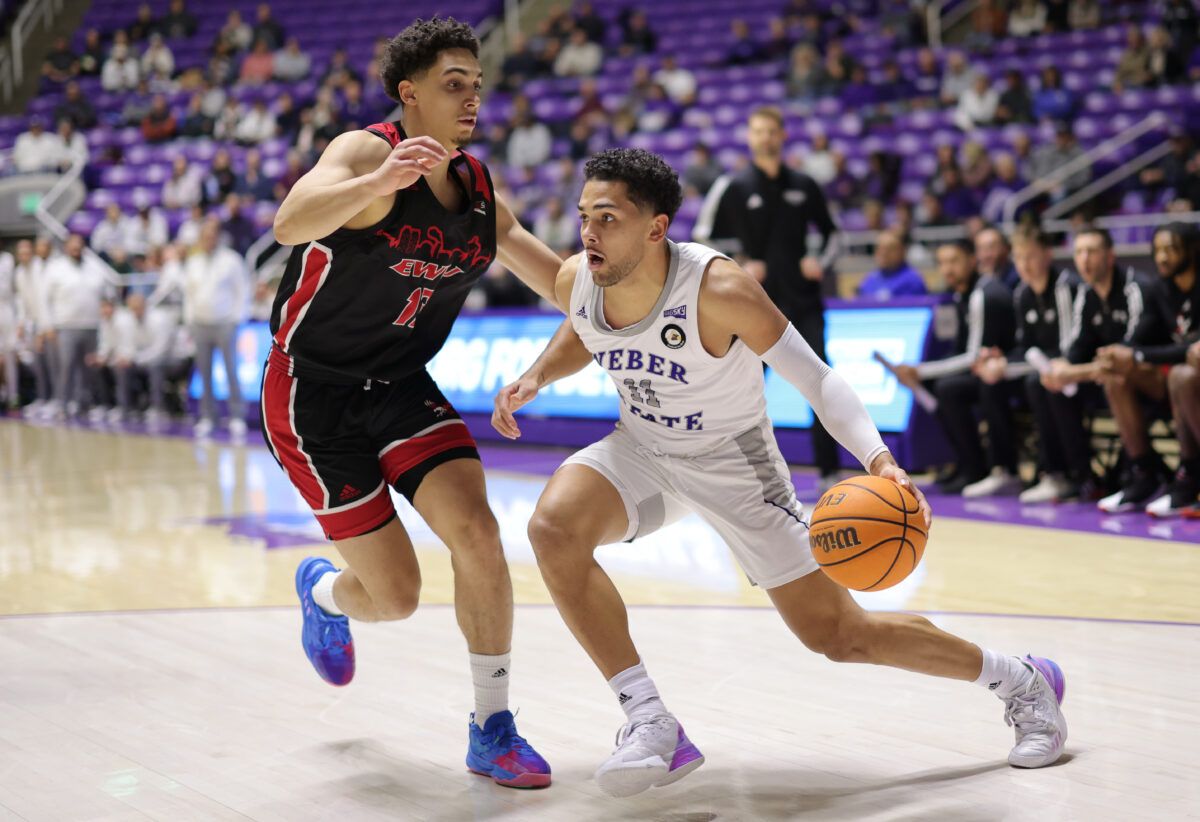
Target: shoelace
511, 740
628, 730
1025, 709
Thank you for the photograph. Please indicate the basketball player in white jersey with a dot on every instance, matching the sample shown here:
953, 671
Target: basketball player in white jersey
9, 394
682, 330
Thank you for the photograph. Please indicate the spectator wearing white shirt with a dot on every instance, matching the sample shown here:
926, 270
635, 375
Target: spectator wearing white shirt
182, 188
216, 292
10, 395
145, 230
36, 150
98, 363
158, 60
292, 64
529, 143
956, 78
556, 228
819, 162
579, 57
678, 82
977, 105
109, 233
227, 121
33, 322
256, 125
75, 284
1027, 19
72, 146
188, 234
142, 351
120, 72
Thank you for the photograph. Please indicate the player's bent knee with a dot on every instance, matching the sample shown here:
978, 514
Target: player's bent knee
398, 603
837, 642
1182, 378
553, 535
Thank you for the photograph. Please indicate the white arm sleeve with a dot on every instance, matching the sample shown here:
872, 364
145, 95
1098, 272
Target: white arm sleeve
831, 397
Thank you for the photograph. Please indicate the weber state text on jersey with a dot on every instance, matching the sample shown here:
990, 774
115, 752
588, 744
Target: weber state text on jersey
675, 396
378, 303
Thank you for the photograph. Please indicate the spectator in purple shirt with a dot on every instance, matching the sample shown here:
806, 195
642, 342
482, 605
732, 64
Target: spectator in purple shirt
894, 277
744, 49
1052, 101
958, 202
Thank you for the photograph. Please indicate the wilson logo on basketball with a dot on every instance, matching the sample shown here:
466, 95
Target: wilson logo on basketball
839, 539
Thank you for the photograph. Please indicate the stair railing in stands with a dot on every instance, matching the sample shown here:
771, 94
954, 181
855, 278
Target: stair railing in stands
12, 54
60, 232
1039, 187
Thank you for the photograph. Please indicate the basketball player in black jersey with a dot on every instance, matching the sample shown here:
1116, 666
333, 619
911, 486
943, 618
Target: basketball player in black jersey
391, 229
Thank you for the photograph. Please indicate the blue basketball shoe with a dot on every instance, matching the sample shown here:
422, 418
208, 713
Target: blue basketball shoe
326, 639
498, 751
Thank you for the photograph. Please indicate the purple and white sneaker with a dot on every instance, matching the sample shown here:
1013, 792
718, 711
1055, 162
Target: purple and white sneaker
1035, 714
650, 752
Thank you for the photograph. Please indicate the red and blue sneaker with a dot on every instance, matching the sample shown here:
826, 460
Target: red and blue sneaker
498, 751
326, 638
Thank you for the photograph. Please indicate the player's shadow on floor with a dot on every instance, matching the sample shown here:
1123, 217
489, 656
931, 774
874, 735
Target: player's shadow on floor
795, 793
393, 782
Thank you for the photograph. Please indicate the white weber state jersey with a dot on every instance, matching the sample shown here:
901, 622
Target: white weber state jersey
675, 396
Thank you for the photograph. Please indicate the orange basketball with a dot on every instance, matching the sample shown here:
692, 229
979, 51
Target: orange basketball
867, 533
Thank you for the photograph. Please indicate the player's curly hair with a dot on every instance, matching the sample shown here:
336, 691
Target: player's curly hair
413, 51
651, 183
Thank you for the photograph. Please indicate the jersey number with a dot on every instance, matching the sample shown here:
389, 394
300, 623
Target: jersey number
416, 301
651, 399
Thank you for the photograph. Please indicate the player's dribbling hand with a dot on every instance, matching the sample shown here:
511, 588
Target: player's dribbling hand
511, 397
410, 159
899, 476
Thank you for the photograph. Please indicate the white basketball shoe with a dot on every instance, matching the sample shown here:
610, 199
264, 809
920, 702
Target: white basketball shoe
650, 752
1035, 715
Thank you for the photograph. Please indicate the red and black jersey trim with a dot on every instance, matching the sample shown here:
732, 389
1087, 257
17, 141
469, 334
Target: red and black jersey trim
476, 182
392, 132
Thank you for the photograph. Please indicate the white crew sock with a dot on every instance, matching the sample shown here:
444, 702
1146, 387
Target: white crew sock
489, 673
1002, 675
636, 692
322, 593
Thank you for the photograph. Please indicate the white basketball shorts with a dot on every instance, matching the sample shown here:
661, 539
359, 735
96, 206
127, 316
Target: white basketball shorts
742, 488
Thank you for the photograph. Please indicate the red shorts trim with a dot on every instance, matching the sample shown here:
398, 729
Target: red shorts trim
278, 401
403, 455
359, 517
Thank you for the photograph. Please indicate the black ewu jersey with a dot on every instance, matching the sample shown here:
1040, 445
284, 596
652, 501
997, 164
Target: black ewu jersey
378, 303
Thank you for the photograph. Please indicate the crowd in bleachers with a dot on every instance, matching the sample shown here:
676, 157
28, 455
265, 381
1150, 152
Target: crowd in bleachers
186, 116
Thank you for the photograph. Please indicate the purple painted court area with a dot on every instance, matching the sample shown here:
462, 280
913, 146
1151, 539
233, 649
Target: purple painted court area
543, 460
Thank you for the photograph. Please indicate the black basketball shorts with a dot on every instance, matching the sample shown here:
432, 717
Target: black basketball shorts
342, 445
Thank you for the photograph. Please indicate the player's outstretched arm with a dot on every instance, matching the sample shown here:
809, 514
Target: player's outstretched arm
733, 305
354, 170
534, 263
565, 355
